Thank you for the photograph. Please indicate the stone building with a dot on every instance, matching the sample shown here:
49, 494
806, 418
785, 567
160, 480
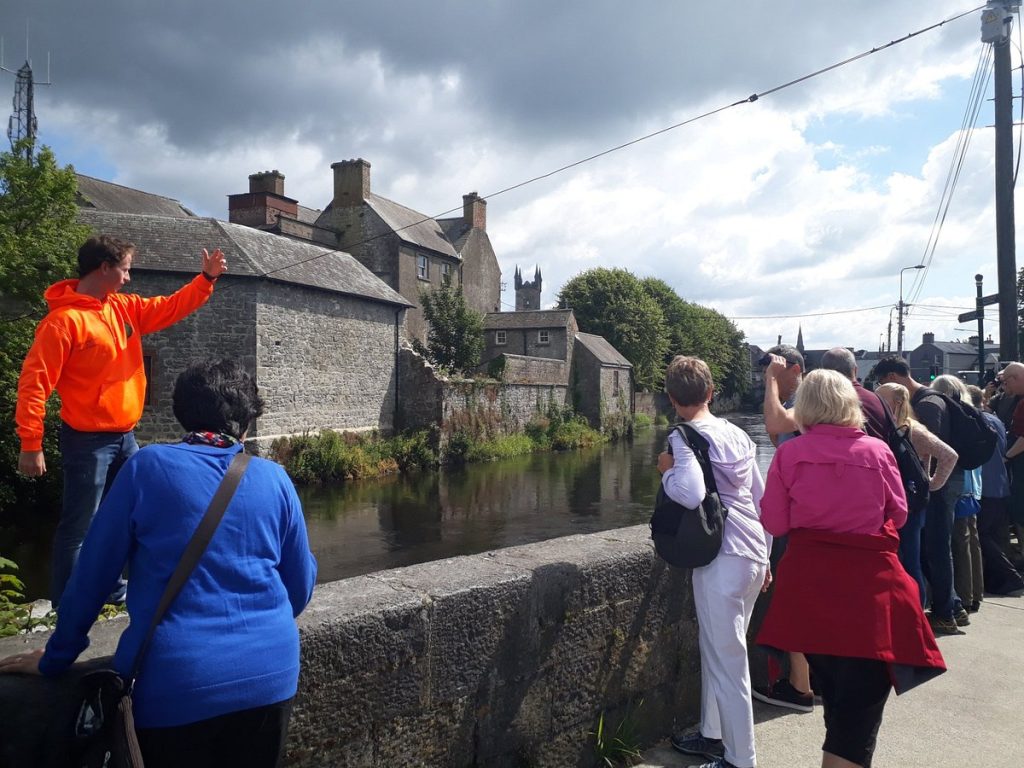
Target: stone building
408, 250
528, 293
320, 332
602, 381
545, 347
936, 358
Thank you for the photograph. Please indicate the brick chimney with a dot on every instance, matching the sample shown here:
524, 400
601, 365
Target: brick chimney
474, 211
928, 338
351, 182
261, 206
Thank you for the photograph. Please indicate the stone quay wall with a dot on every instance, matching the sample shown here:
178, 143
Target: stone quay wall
507, 658
426, 399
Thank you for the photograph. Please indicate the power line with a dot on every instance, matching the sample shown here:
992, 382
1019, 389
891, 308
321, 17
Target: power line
812, 314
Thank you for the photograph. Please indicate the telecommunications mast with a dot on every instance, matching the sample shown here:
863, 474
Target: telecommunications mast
22, 123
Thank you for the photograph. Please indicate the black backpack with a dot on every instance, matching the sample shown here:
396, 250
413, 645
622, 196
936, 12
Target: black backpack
969, 434
912, 472
683, 537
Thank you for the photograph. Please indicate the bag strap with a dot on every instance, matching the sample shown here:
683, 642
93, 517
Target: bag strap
700, 446
194, 549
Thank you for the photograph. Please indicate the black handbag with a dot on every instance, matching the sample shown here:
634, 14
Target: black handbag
684, 537
104, 728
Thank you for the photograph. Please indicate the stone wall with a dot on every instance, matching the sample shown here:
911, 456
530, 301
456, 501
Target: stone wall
534, 370
426, 399
507, 658
322, 360
654, 404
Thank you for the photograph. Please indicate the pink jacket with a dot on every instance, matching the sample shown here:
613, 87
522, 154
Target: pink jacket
833, 479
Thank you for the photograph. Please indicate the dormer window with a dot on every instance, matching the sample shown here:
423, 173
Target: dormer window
543, 337
500, 338
422, 267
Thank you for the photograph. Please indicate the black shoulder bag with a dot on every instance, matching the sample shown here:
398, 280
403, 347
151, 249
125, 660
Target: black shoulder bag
683, 537
104, 729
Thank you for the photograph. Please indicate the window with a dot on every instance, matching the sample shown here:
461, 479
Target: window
422, 267
500, 337
616, 389
446, 272
543, 337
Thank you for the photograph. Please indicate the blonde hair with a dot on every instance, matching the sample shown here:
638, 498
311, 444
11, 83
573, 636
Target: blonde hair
827, 397
688, 380
951, 386
897, 397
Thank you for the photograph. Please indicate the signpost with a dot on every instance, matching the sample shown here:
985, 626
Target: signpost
979, 315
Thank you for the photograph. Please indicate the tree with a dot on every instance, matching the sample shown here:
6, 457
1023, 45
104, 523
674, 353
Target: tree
455, 337
39, 237
704, 333
613, 303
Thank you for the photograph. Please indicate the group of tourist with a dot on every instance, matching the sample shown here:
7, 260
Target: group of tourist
217, 679
849, 568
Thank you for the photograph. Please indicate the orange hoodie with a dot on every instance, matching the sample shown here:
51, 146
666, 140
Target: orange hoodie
90, 351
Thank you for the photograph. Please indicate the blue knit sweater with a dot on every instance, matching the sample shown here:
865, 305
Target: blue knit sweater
229, 641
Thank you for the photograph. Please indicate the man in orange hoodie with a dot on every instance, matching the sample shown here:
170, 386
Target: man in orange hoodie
89, 348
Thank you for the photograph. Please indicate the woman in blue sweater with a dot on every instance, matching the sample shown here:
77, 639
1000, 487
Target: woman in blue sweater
216, 684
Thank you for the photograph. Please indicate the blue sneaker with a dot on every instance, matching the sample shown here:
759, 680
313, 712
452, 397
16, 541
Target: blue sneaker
696, 744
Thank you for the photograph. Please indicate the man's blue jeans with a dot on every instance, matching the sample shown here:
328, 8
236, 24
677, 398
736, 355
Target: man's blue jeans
90, 460
938, 535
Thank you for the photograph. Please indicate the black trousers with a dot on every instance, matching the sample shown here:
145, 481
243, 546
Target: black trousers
254, 738
853, 693
994, 535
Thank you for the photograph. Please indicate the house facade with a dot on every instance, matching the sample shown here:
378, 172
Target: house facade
408, 250
942, 357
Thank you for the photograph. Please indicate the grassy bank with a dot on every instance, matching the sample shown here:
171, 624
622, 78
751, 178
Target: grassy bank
330, 457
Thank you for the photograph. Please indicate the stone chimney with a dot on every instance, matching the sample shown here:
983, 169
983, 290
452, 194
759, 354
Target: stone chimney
973, 340
267, 181
351, 182
474, 211
928, 338
261, 206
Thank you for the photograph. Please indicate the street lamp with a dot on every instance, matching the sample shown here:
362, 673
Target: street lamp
899, 326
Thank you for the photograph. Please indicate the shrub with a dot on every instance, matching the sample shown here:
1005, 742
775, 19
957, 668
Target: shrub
661, 420
642, 421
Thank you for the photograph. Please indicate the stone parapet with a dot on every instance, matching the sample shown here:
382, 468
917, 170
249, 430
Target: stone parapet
507, 658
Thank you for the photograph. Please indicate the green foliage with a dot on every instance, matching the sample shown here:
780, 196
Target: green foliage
330, 457
621, 747
39, 238
455, 337
15, 614
702, 332
642, 421
502, 448
661, 420
613, 303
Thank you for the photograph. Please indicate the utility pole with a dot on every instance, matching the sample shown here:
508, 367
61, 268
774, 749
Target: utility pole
996, 26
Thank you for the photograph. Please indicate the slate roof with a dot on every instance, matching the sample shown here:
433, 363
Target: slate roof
173, 244
534, 318
411, 226
456, 230
308, 215
600, 348
105, 196
955, 347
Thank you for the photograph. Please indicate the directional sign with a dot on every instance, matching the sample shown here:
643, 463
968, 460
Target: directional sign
966, 317
990, 299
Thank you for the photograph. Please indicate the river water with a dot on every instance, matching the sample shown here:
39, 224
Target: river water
373, 525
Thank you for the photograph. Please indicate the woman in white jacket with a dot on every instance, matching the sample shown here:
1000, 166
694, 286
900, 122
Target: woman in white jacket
724, 591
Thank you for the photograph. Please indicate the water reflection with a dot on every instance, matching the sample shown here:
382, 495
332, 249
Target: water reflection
374, 525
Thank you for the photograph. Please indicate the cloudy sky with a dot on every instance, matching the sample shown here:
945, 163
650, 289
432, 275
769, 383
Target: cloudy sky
809, 201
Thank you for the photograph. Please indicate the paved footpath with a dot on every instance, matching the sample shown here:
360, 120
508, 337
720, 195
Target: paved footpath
973, 715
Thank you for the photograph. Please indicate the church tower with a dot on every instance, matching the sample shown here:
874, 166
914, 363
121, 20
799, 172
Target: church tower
527, 293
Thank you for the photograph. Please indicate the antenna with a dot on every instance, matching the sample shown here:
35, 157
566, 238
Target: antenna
22, 123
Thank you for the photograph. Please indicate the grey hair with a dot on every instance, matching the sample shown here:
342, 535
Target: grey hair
951, 386
840, 359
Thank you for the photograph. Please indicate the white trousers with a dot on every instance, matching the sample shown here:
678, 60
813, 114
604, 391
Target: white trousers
724, 593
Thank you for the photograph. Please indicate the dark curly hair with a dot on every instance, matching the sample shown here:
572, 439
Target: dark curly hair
100, 249
217, 396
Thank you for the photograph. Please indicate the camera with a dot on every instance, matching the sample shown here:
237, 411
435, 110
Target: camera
766, 358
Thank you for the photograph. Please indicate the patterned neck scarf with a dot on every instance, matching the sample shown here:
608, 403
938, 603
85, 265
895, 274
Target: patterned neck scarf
216, 439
